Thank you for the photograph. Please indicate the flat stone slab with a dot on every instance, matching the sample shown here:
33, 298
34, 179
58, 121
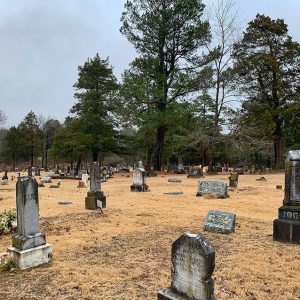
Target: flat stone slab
216, 189
24, 259
65, 202
174, 180
173, 193
220, 222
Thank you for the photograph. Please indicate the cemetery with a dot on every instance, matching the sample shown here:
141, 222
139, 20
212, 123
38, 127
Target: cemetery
149, 149
125, 253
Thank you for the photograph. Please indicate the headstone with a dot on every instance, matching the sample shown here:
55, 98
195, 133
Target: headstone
174, 180
216, 189
219, 221
193, 263
139, 179
5, 177
233, 179
287, 227
95, 198
85, 179
173, 193
37, 172
29, 248
180, 167
72, 173
195, 172
47, 179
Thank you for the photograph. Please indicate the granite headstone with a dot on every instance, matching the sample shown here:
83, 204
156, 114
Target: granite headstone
215, 188
220, 221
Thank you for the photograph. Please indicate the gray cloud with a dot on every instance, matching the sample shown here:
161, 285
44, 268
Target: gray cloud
42, 42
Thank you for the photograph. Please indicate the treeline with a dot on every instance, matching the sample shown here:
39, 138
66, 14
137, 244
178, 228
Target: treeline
198, 89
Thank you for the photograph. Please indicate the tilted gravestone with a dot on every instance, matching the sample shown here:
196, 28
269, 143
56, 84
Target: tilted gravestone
193, 263
29, 248
95, 198
287, 227
216, 189
139, 179
220, 221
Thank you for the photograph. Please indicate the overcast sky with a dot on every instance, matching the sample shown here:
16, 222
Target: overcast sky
42, 42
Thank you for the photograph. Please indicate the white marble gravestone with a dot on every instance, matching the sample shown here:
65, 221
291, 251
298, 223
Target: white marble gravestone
139, 179
85, 179
193, 262
29, 248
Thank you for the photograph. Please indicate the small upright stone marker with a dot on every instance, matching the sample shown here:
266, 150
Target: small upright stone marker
216, 189
5, 177
219, 221
287, 227
233, 179
193, 263
95, 198
139, 179
195, 172
29, 248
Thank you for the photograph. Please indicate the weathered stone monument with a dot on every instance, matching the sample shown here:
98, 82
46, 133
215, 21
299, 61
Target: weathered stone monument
139, 179
213, 189
180, 167
95, 198
287, 227
195, 172
193, 263
233, 179
220, 222
29, 248
85, 179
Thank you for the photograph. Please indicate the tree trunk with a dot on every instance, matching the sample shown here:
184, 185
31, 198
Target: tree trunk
160, 138
149, 157
32, 158
278, 145
78, 164
95, 155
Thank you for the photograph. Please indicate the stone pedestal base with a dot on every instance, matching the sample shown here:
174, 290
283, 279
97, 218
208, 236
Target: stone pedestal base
168, 294
287, 227
24, 259
29, 241
139, 188
95, 201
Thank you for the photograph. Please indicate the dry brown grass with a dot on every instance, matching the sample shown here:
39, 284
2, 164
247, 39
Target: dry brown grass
125, 253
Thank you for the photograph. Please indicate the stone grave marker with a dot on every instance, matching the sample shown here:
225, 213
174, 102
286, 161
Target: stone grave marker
195, 172
29, 248
85, 179
5, 177
180, 167
216, 189
95, 198
220, 221
72, 173
193, 263
233, 179
287, 227
174, 180
47, 179
37, 172
139, 179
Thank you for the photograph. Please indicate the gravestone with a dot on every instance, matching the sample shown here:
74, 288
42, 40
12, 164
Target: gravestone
174, 180
195, 172
29, 248
5, 177
37, 172
47, 179
85, 179
95, 198
193, 263
216, 189
233, 179
72, 173
139, 179
219, 221
287, 227
180, 167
